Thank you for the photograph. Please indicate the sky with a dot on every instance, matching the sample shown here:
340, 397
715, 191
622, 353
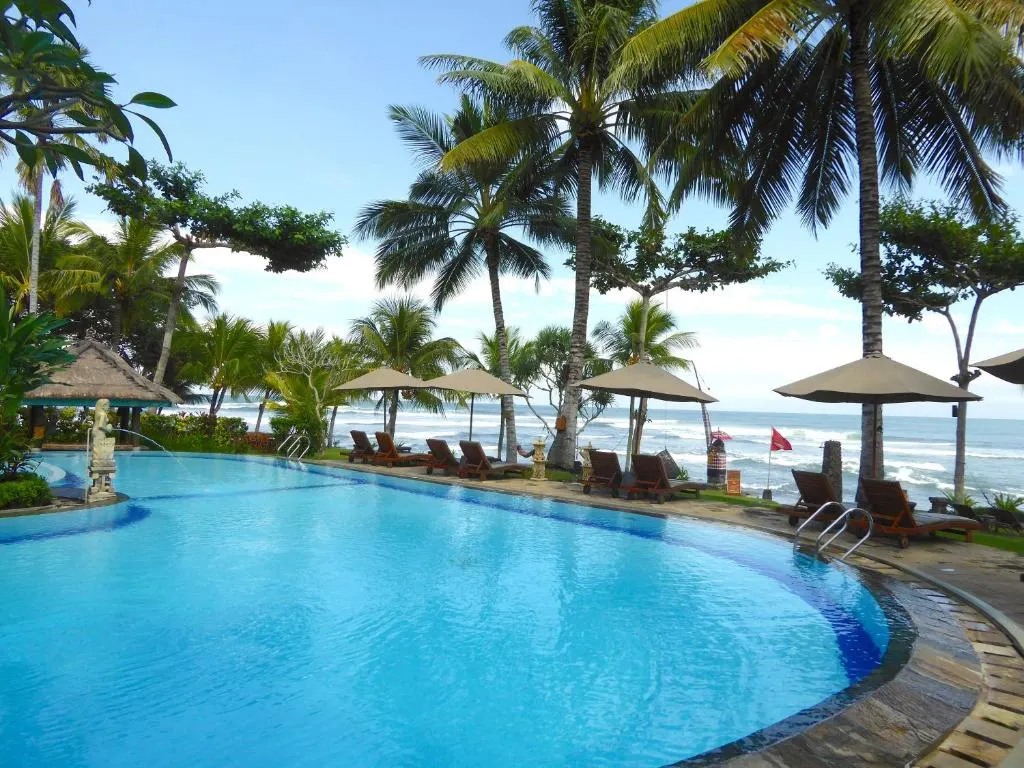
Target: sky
288, 105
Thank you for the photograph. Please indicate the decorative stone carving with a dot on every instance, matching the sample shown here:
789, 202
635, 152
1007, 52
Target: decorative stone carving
538, 459
101, 455
588, 467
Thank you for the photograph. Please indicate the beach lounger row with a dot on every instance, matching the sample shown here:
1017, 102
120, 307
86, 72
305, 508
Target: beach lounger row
886, 501
648, 478
474, 461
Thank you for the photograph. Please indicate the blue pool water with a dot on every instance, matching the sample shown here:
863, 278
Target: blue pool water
247, 612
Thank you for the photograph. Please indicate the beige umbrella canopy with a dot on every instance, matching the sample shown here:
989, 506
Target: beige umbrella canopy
476, 382
384, 379
1008, 367
875, 380
646, 380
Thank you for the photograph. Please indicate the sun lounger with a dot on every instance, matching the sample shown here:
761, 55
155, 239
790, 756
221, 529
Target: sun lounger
441, 457
362, 447
1004, 518
475, 463
606, 472
893, 515
815, 490
651, 479
389, 455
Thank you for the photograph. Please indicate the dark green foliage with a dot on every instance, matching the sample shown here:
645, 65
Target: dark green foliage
68, 425
27, 490
196, 432
303, 420
174, 198
49, 91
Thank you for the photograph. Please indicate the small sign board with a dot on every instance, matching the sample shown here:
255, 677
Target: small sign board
732, 483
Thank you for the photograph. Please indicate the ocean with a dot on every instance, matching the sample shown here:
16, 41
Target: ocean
919, 451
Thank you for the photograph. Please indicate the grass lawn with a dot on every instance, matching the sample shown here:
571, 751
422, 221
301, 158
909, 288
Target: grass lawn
1009, 541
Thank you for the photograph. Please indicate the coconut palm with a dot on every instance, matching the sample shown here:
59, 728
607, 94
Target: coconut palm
568, 71
812, 95
59, 234
225, 355
620, 342
125, 271
521, 368
398, 333
272, 342
459, 223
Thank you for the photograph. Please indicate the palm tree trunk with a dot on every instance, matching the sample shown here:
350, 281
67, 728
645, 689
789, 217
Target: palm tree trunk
172, 318
641, 353
213, 401
393, 414
508, 410
259, 416
37, 229
563, 447
872, 460
116, 333
330, 433
513, 455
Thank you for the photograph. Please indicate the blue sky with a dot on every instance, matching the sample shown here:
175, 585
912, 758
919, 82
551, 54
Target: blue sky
287, 104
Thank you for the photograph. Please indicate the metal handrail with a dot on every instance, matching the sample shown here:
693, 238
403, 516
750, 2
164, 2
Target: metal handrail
843, 521
288, 442
297, 445
818, 511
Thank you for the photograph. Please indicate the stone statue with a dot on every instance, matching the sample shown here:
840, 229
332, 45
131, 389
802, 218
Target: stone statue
101, 454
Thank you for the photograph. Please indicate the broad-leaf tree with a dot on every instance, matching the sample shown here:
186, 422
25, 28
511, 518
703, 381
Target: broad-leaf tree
597, 121
399, 333
173, 198
937, 258
650, 262
459, 223
550, 357
815, 99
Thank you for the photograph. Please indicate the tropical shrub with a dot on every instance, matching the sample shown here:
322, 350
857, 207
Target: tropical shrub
1009, 503
196, 432
68, 425
27, 490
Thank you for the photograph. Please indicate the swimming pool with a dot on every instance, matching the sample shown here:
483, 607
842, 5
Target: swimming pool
250, 612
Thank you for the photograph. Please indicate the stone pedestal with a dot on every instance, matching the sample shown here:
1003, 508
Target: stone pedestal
832, 464
538, 460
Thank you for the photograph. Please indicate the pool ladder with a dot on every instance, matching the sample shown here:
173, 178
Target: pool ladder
842, 523
294, 446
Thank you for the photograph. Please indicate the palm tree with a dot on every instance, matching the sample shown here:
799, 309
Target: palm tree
808, 95
398, 333
272, 343
654, 339
568, 71
127, 272
458, 222
521, 367
226, 357
59, 234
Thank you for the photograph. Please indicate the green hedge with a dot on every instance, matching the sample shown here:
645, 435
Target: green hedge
196, 432
27, 491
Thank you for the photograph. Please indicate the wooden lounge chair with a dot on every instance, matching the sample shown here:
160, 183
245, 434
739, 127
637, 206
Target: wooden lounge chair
362, 448
606, 472
389, 456
651, 479
441, 457
1004, 518
476, 464
893, 515
815, 490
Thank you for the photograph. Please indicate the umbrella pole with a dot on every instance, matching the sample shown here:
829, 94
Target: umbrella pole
472, 402
629, 434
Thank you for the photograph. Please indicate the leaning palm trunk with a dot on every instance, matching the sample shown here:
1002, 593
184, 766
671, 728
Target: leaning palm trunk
259, 415
871, 453
508, 411
172, 319
37, 229
563, 448
392, 413
330, 433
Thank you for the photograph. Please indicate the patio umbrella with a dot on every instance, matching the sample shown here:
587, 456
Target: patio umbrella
384, 379
646, 380
1008, 367
476, 382
875, 380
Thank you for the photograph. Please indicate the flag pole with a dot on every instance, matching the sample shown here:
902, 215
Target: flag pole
768, 489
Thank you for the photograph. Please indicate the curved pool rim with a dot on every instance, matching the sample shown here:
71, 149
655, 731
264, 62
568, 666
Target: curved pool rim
901, 627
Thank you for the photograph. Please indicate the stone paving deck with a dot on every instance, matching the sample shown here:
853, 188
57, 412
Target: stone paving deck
958, 702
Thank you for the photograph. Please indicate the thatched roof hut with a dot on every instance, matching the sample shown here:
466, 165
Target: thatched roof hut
99, 372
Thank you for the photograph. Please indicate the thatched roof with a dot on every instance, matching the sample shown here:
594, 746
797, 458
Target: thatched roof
98, 372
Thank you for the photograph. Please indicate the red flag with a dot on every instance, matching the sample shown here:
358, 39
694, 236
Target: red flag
779, 443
